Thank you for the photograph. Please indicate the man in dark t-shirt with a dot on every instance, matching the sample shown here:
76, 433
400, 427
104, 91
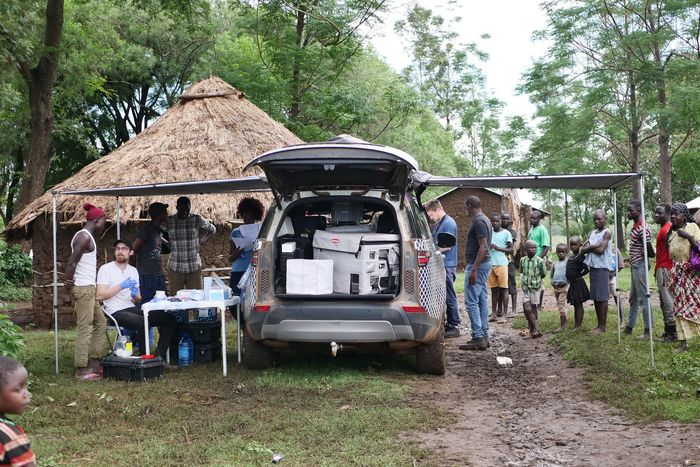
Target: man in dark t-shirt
478, 268
150, 243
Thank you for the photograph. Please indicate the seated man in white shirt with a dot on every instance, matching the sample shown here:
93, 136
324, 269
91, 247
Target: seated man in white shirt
118, 289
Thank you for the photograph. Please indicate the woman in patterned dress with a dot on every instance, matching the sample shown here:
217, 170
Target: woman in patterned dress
685, 283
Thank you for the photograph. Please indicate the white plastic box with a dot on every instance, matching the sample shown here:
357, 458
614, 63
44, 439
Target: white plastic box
363, 263
309, 276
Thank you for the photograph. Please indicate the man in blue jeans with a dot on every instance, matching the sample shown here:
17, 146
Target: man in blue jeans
638, 289
444, 223
478, 268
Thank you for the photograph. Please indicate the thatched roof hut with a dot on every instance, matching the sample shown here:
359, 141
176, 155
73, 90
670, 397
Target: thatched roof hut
210, 134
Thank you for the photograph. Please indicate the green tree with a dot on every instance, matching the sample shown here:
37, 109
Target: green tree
33, 48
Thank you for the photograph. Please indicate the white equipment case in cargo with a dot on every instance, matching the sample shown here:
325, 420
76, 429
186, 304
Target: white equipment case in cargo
363, 263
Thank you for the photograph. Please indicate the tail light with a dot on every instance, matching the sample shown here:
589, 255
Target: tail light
413, 309
254, 259
423, 257
261, 308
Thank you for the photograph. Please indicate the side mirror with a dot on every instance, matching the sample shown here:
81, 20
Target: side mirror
446, 240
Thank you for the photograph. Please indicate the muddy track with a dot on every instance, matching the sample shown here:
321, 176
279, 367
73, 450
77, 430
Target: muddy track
536, 412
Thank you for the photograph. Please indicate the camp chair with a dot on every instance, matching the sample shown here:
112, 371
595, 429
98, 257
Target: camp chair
112, 325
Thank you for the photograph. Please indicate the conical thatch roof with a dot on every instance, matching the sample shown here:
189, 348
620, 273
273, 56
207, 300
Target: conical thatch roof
210, 134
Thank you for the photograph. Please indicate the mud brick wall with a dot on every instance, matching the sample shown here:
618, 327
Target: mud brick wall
214, 254
453, 204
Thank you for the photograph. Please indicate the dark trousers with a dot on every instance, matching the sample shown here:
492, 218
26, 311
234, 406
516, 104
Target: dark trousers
148, 286
235, 278
451, 297
132, 319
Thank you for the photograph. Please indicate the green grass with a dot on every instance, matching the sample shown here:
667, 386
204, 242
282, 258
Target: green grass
314, 411
11, 293
620, 374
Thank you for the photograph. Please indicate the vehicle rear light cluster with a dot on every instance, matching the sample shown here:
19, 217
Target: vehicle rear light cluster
413, 309
261, 308
423, 257
254, 259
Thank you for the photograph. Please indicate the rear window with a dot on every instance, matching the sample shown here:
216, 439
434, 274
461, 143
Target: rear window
419, 221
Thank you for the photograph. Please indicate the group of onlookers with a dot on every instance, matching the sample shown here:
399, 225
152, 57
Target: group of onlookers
491, 247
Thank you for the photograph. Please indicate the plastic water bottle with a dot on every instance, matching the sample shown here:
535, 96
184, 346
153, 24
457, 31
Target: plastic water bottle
129, 346
185, 350
207, 287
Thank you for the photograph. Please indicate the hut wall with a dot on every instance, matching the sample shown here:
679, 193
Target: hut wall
214, 254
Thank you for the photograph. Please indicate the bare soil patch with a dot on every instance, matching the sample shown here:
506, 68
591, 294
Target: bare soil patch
536, 412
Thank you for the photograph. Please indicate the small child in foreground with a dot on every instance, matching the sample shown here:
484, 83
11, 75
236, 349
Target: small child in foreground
576, 269
15, 448
532, 271
560, 284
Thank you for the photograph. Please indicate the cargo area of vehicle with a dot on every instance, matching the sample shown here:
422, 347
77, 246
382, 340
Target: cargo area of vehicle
335, 248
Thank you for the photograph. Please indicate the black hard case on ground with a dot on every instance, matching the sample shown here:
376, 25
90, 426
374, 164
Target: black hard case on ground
132, 369
201, 332
205, 353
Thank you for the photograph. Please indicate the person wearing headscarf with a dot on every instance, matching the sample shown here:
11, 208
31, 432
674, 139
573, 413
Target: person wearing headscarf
685, 283
79, 285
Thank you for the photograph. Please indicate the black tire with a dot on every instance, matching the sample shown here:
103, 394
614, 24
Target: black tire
256, 356
430, 358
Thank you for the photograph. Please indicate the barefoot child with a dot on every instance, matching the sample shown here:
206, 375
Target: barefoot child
15, 448
560, 284
578, 292
532, 270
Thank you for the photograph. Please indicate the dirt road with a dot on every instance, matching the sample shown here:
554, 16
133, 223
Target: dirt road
535, 412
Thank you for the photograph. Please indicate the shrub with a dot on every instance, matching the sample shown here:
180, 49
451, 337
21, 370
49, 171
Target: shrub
15, 267
10, 337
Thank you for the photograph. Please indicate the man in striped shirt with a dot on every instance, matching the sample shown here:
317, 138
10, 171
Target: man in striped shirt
638, 289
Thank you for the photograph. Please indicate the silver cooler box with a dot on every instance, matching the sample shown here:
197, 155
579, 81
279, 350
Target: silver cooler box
363, 263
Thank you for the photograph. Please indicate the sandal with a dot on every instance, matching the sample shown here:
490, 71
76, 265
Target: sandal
536, 335
524, 333
87, 376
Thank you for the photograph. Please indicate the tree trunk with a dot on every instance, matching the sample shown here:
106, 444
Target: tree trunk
295, 108
40, 81
15, 180
664, 156
634, 132
41, 126
566, 215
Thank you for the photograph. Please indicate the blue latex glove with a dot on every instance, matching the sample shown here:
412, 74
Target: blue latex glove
127, 283
134, 291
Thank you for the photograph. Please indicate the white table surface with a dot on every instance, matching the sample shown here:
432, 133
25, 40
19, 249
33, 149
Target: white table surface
221, 305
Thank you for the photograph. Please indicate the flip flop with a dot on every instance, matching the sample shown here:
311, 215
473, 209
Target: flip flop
88, 377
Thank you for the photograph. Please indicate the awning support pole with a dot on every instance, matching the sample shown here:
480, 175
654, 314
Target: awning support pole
646, 271
618, 298
116, 219
55, 279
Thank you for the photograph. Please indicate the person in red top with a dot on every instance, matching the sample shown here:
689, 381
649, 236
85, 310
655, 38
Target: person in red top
662, 272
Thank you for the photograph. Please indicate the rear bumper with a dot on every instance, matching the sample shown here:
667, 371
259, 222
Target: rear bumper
342, 323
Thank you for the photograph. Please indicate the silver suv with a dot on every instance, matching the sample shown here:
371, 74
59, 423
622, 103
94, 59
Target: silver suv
346, 259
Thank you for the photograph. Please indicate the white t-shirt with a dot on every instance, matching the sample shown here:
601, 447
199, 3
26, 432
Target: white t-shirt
110, 274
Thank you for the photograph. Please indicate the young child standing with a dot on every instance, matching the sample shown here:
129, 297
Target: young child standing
532, 271
560, 284
578, 290
15, 448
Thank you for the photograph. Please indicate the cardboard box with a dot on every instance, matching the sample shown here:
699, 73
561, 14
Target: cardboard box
309, 277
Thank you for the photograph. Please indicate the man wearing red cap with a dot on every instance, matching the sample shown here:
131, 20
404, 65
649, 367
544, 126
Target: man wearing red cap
79, 281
